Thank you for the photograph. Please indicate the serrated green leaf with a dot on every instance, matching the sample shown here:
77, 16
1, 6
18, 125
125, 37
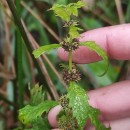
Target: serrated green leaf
36, 95
93, 114
41, 124
30, 113
74, 32
73, 7
65, 11
72, 10
44, 49
79, 4
78, 102
94, 47
60, 11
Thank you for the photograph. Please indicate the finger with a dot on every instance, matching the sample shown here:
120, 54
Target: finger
115, 40
52, 116
113, 102
121, 124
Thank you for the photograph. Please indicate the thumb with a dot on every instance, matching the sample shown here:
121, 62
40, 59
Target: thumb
52, 116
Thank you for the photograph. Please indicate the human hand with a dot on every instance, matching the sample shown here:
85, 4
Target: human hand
113, 100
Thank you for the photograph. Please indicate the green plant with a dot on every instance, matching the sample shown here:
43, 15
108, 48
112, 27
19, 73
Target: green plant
76, 109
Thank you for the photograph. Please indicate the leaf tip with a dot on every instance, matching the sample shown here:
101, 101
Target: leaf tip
35, 53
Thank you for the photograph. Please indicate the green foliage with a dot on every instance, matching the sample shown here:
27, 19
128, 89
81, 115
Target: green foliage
78, 108
104, 14
40, 124
78, 102
60, 11
72, 8
65, 11
127, 12
34, 114
30, 113
93, 115
97, 68
44, 49
94, 47
37, 95
74, 32
82, 111
91, 23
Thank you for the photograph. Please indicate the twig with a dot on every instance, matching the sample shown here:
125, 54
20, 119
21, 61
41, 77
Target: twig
120, 11
7, 41
2, 92
42, 66
41, 21
54, 70
18, 22
48, 96
1, 67
7, 49
31, 67
48, 79
36, 44
48, 61
104, 18
7, 101
7, 76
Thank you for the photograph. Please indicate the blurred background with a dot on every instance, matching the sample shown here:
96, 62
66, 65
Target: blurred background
19, 70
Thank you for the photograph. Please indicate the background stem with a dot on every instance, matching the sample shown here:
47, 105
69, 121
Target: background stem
22, 31
19, 63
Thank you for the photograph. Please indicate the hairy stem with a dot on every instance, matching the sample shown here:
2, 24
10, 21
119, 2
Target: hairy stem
70, 60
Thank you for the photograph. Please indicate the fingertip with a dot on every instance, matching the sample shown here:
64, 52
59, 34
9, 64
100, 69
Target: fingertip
111, 39
63, 55
80, 56
110, 100
52, 116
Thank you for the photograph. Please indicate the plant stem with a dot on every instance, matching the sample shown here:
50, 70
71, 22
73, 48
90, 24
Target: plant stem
18, 5
70, 60
19, 68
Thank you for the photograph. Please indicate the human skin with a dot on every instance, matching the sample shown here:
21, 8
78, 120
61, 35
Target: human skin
113, 100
